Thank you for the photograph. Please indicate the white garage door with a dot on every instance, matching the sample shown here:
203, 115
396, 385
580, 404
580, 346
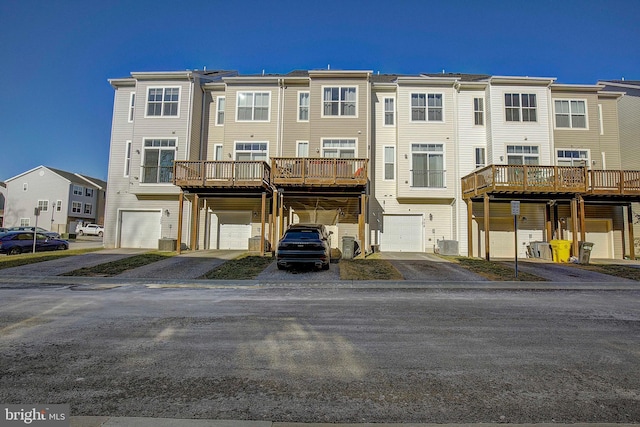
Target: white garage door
139, 229
234, 230
402, 233
600, 233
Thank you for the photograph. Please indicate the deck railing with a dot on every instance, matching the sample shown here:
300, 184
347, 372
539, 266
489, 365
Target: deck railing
549, 179
319, 171
221, 173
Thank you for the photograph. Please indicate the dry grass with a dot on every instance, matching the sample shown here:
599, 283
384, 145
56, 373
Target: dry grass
24, 259
613, 270
244, 268
494, 271
368, 269
116, 267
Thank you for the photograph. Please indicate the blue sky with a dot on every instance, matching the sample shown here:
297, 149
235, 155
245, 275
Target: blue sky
56, 55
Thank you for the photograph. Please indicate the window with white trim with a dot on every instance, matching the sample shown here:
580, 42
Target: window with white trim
251, 151
127, 158
570, 113
217, 152
163, 101
253, 106
573, 157
58, 205
480, 157
389, 162
520, 107
339, 148
43, 205
76, 207
303, 106
389, 111
302, 149
478, 111
220, 106
427, 165
426, 107
24, 222
88, 192
132, 104
78, 190
523, 155
339, 101
157, 161
88, 208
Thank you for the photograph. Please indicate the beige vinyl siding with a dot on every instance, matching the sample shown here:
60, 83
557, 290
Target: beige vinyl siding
196, 121
215, 134
629, 108
610, 142
291, 129
505, 133
578, 138
343, 127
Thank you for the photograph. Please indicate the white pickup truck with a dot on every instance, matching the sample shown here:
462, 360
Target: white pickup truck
90, 230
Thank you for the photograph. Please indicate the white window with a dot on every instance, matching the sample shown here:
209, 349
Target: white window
157, 163
163, 101
24, 222
389, 162
58, 205
339, 148
220, 105
389, 112
520, 107
340, 101
253, 106
127, 158
573, 158
523, 154
132, 104
251, 151
478, 111
88, 208
303, 106
480, 157
427, 165
570, 113
217, 152
88, 192
302, 149
43, 205
76, 207
426, 107
78, 190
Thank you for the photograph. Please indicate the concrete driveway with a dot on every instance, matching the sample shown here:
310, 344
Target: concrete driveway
428, 267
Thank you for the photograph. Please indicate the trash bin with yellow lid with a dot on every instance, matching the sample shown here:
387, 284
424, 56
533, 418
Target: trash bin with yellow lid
561, 250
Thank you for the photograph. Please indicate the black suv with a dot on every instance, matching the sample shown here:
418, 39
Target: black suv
304, 244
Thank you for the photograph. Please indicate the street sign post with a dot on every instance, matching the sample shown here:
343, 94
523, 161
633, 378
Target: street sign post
515, 211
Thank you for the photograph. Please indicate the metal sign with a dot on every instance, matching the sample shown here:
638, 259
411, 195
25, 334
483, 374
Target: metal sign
515, 207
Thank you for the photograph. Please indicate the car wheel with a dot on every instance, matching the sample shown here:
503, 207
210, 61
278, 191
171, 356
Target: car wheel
80, 232
325, 266
100, 234
62, 247
280, 267
14, 251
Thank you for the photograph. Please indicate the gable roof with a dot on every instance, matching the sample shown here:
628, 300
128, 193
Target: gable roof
73, 178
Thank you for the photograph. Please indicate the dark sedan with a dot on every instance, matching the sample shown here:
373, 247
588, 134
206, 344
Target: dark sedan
16, 242
38, 230
304, 245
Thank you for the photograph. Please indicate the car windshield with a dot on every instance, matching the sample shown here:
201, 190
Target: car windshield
302, 235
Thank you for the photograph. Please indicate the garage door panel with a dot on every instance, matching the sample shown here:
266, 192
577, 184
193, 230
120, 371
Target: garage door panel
234, 230
402, 233
139, 229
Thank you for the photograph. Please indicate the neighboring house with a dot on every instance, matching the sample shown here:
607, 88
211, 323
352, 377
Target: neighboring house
3, 197
217, 160
629, 125
63, 198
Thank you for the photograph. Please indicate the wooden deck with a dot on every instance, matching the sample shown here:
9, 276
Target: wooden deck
221, 174
534, 179
297, 171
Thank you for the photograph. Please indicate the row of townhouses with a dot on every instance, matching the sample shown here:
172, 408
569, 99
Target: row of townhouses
416, 163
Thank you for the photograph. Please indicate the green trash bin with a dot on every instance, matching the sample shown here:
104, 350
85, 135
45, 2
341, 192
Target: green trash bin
585, 252
561, 250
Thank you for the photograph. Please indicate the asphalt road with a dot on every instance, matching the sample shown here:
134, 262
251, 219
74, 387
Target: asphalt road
324, 353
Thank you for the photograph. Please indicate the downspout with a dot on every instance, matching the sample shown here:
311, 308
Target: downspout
203, 143
278, 135
190, 111
367, 236
457, 185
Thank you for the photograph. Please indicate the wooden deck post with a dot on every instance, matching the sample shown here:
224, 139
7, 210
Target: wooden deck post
262, 221
469, 228
632, 251
195, 215
361, 222
281, 216
581, 213
274, 216
179, 230
486, 228
574, 225
547, 223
